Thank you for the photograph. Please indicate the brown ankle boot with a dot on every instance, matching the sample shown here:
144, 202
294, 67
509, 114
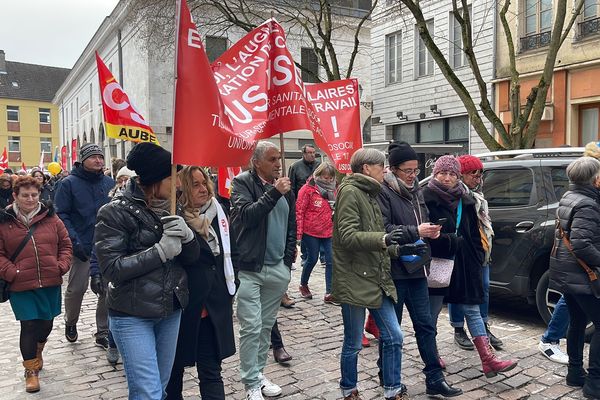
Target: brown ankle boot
491, 364
32, 369
38, 355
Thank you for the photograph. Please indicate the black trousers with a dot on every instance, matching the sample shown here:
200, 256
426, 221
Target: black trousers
276, 340
584, 308
208, 365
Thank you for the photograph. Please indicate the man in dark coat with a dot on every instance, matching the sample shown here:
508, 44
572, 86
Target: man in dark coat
78, 199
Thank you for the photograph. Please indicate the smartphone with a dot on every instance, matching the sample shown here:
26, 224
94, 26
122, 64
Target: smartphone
441, 221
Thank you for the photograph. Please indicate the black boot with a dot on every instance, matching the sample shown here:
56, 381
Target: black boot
591, 388
441, 388
462, 340
494, 341
576, 376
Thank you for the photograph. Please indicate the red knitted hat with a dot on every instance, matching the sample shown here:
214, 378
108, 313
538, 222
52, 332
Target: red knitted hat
469, 163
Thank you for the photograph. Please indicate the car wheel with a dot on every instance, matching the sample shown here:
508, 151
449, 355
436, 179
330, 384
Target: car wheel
546, 299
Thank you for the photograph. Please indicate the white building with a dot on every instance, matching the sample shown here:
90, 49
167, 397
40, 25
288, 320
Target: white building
412, 101
147, 77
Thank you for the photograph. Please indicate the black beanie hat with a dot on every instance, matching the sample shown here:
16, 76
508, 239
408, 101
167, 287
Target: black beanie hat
398, 152
88, 150
150, 162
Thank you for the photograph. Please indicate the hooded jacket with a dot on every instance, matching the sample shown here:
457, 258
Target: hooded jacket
140, 284
78, 199
578, 214
313, 213
361, 262
45, 258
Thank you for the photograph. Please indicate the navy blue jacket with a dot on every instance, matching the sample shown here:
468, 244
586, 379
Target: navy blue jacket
78, 199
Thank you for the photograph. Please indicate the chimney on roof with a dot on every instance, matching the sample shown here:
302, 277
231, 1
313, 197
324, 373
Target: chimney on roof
2, 62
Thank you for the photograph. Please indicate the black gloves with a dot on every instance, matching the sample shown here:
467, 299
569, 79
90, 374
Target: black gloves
97, 285
393, 237
79, 252
419, 249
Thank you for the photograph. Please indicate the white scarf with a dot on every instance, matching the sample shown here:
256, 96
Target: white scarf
26, 218
227, 264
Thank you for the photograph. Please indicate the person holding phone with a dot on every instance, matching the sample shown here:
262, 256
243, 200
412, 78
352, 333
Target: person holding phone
142, 252
402, 206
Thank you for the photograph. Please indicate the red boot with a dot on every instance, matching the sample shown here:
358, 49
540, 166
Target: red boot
371, 327
491, 364
365, 341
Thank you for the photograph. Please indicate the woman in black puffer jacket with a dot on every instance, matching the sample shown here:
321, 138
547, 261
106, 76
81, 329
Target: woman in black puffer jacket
142, 256
579, 221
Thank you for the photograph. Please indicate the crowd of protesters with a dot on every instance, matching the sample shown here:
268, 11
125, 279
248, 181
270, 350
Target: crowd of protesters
167, 282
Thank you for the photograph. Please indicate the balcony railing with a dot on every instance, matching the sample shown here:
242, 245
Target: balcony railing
589, 27
536, 41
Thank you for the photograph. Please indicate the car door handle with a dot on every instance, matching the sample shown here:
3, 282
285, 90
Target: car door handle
524, 226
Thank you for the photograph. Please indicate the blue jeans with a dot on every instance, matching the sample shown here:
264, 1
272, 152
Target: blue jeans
474, 320
414, 294
390, 336
559, 323
313, 246
456, 312
147, 346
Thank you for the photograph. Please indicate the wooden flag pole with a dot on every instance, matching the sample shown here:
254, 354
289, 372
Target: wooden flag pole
282, 149
173, 164
174, 189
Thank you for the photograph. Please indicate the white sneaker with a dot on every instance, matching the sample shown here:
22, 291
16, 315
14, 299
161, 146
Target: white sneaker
269, 389
553, 352
254, 394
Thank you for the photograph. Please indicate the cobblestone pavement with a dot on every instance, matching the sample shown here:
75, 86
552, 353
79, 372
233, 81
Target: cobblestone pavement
312, 333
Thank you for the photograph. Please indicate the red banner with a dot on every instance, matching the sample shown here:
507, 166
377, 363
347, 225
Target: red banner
202, 133
4, 160
63, 158
121, 119
338, 107
73, 150
225, 177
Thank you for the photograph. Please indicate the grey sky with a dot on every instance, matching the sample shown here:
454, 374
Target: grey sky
50, 32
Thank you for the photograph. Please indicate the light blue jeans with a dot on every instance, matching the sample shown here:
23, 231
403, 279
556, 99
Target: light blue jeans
147, 346
456, 312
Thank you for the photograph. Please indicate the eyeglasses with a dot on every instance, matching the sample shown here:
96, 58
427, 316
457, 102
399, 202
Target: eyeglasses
476, 174
409, 171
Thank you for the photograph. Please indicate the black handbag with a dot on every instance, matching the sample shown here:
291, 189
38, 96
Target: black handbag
4, 285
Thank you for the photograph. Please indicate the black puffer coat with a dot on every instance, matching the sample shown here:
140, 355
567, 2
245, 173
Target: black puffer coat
140, 284
579, 216
403, 210
466, 286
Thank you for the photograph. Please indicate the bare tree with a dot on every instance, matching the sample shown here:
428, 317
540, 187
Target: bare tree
317, 21
525, 118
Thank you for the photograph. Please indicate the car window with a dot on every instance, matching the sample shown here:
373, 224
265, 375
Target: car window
508, 187
560, 181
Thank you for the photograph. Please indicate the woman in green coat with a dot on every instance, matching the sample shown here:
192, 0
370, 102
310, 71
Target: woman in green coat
361, 273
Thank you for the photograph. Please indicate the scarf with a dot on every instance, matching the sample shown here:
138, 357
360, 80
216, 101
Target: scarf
327, 189
200, 220
160, 207
397, 185
451, 196
26, 218
193, 219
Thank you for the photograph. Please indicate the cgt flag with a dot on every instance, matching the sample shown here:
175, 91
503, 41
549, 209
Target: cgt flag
338, 107
121, 119
225, 177
63, 158
202, 132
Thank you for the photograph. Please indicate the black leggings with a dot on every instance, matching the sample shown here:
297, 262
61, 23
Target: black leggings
33, 332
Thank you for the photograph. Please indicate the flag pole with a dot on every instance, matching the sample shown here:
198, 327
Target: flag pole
281, 145
173, 165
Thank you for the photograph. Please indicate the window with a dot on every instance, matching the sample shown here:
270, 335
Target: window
215, 46
590, 9
405, 132
12, 113
424, 59
366, 131
393, 51
538, 16
458, 128
44, 115
46, 147
432, 131
560, 181
509, 187
457, 55
590, 23
14, 148
309, 60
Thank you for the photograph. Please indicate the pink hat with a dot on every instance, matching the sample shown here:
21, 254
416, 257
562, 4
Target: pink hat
446, 163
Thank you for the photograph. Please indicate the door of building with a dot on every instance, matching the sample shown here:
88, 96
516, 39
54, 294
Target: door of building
589, 123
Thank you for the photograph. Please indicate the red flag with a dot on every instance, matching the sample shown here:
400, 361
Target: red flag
63, 158
121, 119
338, 106
74, 150
202, 132
4, 160
23, 167
225, 177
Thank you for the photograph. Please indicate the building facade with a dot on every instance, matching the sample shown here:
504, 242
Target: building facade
146, 75
572, 112
412, 101
28, 119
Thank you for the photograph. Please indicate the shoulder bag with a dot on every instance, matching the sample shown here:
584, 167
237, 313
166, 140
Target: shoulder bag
440, 269
591, 273
4, 285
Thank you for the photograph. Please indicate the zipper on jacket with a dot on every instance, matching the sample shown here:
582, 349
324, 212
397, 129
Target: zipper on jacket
37, 260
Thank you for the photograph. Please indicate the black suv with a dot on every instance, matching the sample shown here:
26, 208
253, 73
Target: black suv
523, 188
